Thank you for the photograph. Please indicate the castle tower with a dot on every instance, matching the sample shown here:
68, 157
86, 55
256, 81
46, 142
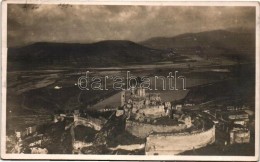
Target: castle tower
141, 92
132, 91
122, 98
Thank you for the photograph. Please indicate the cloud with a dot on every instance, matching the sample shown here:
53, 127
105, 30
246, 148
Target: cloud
91, 23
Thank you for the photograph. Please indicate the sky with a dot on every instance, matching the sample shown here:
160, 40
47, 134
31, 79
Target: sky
27, 24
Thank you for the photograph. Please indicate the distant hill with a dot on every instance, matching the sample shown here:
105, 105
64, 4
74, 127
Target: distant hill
230, 44
213, 43
100, 54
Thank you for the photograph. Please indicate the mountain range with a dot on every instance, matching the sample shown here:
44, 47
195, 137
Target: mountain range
224, 43
217, 42
100, 54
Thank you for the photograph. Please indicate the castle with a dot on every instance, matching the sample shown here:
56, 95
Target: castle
142, 105
148, 107
148, 117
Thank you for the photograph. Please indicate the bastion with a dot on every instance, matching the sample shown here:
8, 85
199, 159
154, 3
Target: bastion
176, 143
142, 130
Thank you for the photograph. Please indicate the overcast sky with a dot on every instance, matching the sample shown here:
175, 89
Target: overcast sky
85, 23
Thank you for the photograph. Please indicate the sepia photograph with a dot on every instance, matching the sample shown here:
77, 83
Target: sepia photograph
92, 80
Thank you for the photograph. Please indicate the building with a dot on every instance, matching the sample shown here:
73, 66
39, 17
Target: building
236, 117
186, 119
167, 104
23, 132
239, 135
178, 108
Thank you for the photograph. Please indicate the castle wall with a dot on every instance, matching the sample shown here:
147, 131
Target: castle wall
77, 145
142, 130
92, 122
153, 111
175, 143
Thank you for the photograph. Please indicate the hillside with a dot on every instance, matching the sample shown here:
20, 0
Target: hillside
227, 43
100, 54
221, 44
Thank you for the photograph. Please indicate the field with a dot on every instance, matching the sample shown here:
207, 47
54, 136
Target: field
47, 92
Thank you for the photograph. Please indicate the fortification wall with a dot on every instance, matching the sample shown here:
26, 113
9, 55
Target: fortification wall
97, 125
142, 130
77, 145
175, 143
153, 111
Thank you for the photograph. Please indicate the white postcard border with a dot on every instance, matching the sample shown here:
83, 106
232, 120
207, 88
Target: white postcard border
4, 155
